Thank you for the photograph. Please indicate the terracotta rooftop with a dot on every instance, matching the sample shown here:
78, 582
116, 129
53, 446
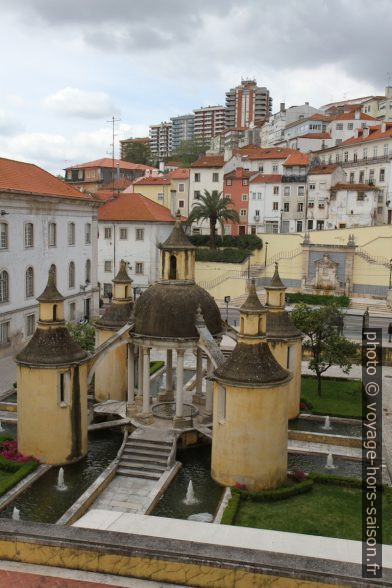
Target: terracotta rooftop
108, 162
239, 173
266, 179
256, 153
134, 207
351, 116
152, 181
27, 178
322, 169
181, 173
347, 186
209, 161
172, 164
315, 136
374, 133
297, 158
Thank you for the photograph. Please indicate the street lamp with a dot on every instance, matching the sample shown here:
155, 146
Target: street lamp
265, 256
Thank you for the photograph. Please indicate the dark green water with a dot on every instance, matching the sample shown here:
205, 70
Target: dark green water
44, 503
317, 463
196, 467
352, 430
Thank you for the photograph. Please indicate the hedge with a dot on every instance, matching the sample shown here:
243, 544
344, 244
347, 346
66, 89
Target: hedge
18, 475
335, 480
277, 494
317, 299
250, 242
231, 509
228, 255
155, 366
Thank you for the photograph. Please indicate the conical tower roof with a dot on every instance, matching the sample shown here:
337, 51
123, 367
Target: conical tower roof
177, 238
276, 282
122, 274
51, 294
252, 303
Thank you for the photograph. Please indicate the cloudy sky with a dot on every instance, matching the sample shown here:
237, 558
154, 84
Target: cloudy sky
68, 66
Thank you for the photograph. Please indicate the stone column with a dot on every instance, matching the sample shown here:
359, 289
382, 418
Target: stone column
209, 389
168, 395
131, 406
179, 420
140, 375
146, 415
198, 397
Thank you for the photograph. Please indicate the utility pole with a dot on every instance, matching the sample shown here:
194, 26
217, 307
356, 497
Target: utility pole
113, 122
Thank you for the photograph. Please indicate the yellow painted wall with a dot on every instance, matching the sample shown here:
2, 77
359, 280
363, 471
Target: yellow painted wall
208, 272
250, 445
152, 192
279, 351
111, 372
45, 428
185, 264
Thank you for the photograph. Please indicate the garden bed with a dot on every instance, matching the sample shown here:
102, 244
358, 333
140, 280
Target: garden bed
13, 466
317, 299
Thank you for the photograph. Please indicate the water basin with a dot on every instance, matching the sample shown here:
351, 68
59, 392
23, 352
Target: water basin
337, 428
316, 463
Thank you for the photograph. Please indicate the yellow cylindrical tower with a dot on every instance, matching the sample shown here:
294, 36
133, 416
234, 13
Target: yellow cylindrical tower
111, 372
178, 255
249, 442
52, 387
284, 339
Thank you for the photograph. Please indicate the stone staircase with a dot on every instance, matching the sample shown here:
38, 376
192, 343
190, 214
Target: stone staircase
144, 458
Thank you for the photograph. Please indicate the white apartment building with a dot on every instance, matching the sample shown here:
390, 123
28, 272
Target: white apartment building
208, 122
205, 174
265, 197
273, 131
366, 159
130, 228
161, 140
44, 223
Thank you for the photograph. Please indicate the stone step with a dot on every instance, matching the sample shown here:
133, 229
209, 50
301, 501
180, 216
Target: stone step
138, 474
146, 445
146, 453
131, 465
152, 441
153, 459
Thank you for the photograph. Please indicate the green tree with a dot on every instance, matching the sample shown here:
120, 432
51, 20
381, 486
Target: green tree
327, 347
215, 208
137, 152
188, 151
83, 334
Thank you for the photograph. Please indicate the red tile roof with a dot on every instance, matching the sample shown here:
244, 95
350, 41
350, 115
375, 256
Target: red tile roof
181, 173
266, 179
209, 161
108, 162
374, 133
134, 207
322, 169
152, 181
105, 194
172, 164
351, 116
355, 187
256, 153
297, 158
239, 173
27, 178
315, 136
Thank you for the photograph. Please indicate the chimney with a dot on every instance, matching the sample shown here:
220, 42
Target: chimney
162, 166
306, 103
365, 132
357, 114
383, 127
282, 107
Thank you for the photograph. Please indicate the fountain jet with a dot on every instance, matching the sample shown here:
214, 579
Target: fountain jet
16, 514
329, 465
60, 481
327, 424
190, 495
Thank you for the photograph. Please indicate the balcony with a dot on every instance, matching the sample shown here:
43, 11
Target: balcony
363, 161
299, 179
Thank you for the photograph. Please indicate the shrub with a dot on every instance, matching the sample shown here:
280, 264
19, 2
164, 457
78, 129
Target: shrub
17, 475
299, 475
278, 493
335, 480
231, 509
249, 242
84, 335
228, 255
317, 299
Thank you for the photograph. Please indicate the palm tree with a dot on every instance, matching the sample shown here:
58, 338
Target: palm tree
214, 207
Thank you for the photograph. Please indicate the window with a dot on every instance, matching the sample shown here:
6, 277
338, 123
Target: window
355, 156
181, 204
275, 169
339, 126
345, 156
338, 141
386, 149
361, 176
244, 197
107, 289
4, 333
29, 235
382, 175
243, 212
3, 236
276, 189
310, 225
63, 388
88, 271
258, 195
321, 205
181, 187
108, 233
352, 177
299, 228
123, 234
365, 153
379, 210
257, 212
196, 194
139, 234
160, 196
360, 196
337, 158
52, 235
87, 233
286, 191
107, 266
197, 177
275, 206
215, 177
71, 233
245, 181
375, 149
30, 325
139, 267
286, 207
196, 231
72, 311
312, 186
71, 275
371, 176
311, 205
300, 207
228, 182
29, 282
350, 126
261, 168
4, 286
301, 190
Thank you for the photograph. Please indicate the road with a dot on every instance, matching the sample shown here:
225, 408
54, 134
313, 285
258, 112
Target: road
352, 323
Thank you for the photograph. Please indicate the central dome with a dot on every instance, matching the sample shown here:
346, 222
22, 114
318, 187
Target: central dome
167, 310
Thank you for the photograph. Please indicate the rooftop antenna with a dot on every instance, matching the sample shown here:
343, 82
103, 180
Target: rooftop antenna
113, 122
388, 78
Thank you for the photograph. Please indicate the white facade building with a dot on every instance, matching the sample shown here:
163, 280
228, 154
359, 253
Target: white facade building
273, 131
265, 203
130, 228
43, 223
205, 174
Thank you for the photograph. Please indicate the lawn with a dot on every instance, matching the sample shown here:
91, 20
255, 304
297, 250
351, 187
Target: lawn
155, 366
327, 510
341, 398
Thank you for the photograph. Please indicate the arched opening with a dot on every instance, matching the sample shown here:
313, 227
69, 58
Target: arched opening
55, 312
173, 268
